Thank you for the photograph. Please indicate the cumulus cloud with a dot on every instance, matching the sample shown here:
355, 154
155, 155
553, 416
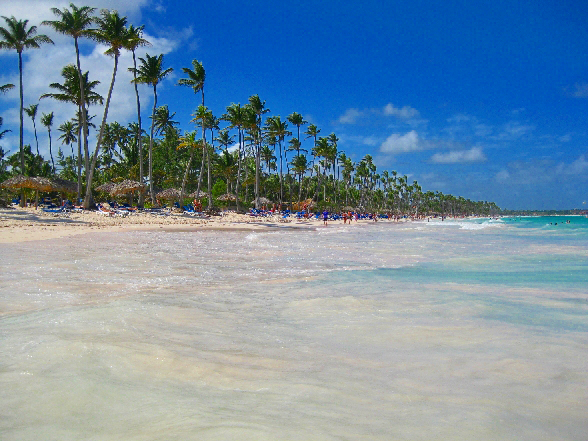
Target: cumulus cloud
405, 112
42, 9
580, 90
397, 143
475, 154
43, 66
350, 116
578, 167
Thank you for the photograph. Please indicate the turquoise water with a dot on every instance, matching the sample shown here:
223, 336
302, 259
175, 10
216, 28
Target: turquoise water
442, 330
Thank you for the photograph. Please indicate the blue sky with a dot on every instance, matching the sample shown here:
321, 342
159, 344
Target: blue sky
483, 99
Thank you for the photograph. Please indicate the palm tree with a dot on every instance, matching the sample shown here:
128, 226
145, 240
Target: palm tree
151, 72
112, 31
297, 120
6, 87
278, 128
70, 92
68, 134
164, 123
19, 37
31, 112
135, 41
47, 121
76, 23
299, 165
237, 118
188, 141
259, 109
195, 78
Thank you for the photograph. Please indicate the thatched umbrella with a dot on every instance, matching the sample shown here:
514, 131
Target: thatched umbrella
263, 201
227, 197
197, 195
169, 193
37, 183
128, 187
106, 188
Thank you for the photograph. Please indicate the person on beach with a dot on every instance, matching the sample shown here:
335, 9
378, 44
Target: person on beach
344, 217
325, 217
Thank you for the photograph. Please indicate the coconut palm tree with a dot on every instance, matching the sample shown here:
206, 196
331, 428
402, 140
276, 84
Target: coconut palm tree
164, 123
297, 120
259, 110
31, 112
151, 72
6, 87
196, 78
47, 121
76, 23
112, 31
237, 118
278, 128
136, 40
18, 36
68, 134
188, 141
70, 92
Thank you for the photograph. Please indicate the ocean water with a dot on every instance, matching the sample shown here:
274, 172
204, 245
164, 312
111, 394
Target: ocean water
454, 330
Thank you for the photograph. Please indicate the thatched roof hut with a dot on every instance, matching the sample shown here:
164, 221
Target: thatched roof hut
34, 182
169, 193
106, 188
64, 185
198, 194
227, 197
127, 186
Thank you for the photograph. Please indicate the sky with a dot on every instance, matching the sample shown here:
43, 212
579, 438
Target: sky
482, 99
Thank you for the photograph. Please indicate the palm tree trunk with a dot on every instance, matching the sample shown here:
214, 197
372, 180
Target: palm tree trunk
139, 137
50, 151
79, 164
89, 199
22, 161
238, 172
151, 191
281, 178
36, 139
186, 176
82, 113
209, 174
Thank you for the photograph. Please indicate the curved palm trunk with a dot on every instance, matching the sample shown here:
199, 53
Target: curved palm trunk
50, 151
151, 145
139, 137
186, 176
36, 139
88, 201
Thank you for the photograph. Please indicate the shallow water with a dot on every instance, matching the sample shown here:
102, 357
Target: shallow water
453, 330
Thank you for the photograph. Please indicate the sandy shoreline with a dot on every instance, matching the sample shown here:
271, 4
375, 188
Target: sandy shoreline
28, 224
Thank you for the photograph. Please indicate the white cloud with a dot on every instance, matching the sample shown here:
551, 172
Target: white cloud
578, 167
350, 116
43, 66
502, 176
405, 112
41, 10
397, 143
581, 90
475, 154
